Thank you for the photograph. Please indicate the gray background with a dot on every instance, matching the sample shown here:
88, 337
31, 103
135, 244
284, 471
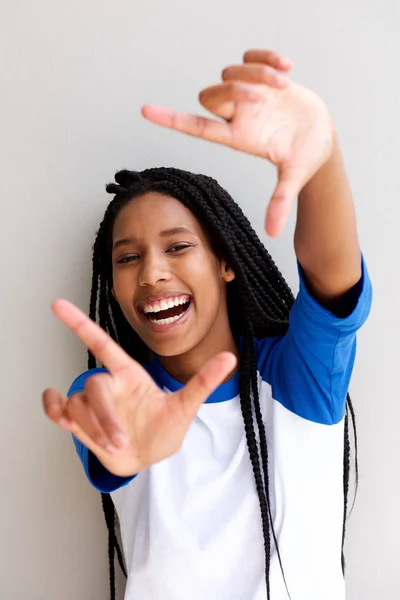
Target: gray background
74, 76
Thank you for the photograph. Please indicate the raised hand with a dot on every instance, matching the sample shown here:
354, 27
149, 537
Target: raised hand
122, 416
266, 115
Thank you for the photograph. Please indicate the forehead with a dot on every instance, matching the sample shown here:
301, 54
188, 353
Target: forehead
151, 213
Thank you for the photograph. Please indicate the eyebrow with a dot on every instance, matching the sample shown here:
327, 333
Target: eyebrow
164, 233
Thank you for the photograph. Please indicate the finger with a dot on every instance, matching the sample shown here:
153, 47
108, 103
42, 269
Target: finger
197, 126
98, 451
108, 352
54, 404
86, 420
99, 397
201, 386
221, 99
269, 57
290, 182
256, 73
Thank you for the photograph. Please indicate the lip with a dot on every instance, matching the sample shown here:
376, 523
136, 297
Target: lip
157, 297
161, 328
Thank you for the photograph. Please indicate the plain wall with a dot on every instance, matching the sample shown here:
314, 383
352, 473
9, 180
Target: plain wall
74, 76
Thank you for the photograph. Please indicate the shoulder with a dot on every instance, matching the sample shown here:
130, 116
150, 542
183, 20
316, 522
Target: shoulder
309, 368
78, 385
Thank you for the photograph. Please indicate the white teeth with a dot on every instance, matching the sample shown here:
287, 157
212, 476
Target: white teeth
166, 321
165, 304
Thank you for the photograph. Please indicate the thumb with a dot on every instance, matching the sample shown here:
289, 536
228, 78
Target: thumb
290, 183
201, 385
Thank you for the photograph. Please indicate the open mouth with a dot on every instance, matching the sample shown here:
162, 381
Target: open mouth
162, 314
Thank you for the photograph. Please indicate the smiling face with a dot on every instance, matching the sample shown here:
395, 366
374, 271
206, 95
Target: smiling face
170, 285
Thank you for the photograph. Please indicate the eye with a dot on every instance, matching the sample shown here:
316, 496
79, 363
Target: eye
126, 259
178, 247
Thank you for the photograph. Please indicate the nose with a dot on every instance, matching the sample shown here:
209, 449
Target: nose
154, 268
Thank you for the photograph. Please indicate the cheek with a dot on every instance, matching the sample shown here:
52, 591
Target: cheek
124, 292
199, 267
202, 277
124, 284
206, 287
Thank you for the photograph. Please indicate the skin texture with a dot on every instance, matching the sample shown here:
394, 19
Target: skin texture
291, 127
179, 262
269, 117
122, 416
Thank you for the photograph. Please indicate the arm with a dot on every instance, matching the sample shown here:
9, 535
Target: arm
326, 241
310, 367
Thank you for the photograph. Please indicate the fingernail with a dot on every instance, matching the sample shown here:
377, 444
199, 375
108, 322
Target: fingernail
119, 439
63, 422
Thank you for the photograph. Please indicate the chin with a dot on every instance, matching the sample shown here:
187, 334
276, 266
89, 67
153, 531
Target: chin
172, 348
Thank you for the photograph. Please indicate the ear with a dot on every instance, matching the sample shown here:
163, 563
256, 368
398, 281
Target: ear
227, 273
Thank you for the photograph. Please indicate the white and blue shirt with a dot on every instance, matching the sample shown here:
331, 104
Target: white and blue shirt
191, 524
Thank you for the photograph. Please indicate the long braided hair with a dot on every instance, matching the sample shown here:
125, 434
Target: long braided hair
258, 301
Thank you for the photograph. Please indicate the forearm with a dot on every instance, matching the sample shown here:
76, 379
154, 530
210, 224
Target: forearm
326, 240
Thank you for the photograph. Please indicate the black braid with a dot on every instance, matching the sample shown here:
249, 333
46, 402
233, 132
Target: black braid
346, 468
353, 420
109, 514
105, 323
259, 302
245, 393
264, 454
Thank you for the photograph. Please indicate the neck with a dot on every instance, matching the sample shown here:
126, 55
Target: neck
183, 367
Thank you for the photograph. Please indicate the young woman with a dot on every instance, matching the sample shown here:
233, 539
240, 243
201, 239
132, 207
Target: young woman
218, 423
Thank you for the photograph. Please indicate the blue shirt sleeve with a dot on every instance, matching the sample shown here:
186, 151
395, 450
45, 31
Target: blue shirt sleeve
309, 369
97, 474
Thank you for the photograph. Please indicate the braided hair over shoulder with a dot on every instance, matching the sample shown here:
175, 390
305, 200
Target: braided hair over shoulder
258, 301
